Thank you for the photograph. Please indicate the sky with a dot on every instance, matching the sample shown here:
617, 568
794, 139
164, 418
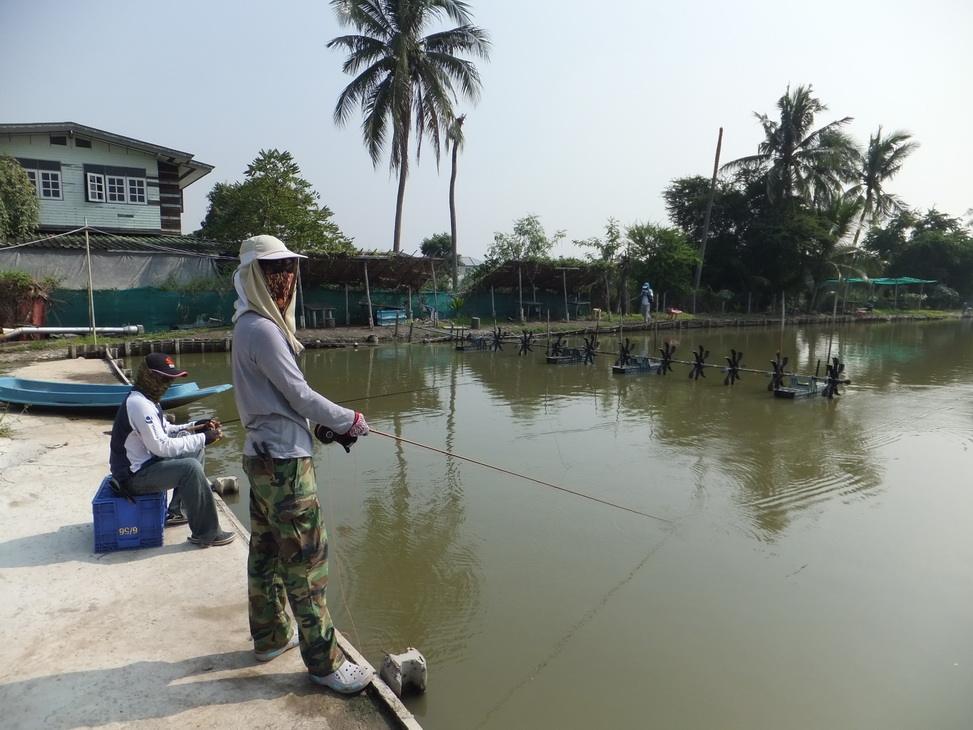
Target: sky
588, 110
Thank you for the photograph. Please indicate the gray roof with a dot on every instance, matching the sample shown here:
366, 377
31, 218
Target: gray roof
146, 244
194, 169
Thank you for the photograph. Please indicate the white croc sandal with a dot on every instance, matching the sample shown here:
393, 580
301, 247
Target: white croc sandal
347, 679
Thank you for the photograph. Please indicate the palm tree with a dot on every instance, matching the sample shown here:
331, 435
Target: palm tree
454, 136
881, 161
801, 161
406, 80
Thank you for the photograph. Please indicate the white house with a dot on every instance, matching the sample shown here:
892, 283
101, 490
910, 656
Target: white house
129, 191
119, 184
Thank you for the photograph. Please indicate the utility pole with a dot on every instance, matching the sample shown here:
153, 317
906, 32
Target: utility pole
709, 210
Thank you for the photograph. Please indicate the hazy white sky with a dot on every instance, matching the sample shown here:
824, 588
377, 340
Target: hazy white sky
588, 109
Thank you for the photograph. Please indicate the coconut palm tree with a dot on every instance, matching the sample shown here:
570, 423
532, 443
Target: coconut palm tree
406, 80
800, 161
454, 137
881, 161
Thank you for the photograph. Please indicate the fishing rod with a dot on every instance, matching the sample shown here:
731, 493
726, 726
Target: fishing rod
383, 395
517, 474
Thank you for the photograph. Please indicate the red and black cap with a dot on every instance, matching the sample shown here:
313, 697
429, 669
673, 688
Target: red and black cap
162, 364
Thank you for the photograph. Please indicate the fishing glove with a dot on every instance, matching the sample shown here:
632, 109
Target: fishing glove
358, 427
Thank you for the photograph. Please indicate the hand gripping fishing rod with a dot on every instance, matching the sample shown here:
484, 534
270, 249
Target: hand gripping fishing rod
516, 474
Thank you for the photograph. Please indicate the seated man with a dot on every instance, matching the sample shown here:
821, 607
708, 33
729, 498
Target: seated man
148, 455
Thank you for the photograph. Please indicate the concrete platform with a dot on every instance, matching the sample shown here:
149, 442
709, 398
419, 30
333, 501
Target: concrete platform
149, 638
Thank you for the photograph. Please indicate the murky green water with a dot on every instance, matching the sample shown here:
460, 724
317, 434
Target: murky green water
816, 573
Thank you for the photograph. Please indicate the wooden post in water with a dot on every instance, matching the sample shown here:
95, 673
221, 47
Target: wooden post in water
548, 332
347, 310
493, 305
834, 315
409, 302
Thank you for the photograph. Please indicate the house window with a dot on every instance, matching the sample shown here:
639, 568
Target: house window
79, 142
136, 190
116, 188
104, 184
50, 184
32, 175
96, 187
59, 139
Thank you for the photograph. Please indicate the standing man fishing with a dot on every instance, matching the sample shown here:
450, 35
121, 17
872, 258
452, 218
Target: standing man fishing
289, 545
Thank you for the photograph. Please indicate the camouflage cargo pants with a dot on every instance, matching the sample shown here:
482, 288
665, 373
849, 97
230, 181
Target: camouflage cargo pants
289, 557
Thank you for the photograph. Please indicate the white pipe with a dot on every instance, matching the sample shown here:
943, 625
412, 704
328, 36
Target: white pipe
133, 329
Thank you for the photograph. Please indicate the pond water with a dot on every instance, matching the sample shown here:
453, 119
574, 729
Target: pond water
814, 569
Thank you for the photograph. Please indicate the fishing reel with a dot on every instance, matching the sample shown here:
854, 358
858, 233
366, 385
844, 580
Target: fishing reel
326, 435
698, 369
665, 362
526, 342
834, 379
733, 367
590, 349
779, 367
624, 353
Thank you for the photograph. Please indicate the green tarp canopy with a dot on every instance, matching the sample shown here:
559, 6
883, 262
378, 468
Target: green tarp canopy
885, 281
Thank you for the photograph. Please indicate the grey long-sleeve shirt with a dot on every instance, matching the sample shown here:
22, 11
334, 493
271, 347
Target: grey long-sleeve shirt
273, 398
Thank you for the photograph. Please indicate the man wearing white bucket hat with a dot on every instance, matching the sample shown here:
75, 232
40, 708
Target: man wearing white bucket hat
646, 296
288, 546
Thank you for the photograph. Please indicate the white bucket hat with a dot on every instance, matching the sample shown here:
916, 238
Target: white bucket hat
265, 248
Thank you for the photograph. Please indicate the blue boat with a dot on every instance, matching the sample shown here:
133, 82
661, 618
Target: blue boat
81, 397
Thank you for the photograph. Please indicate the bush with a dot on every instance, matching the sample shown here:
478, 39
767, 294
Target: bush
942, 297
17, 289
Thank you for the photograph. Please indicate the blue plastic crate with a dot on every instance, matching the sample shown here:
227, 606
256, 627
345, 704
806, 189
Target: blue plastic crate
121, 525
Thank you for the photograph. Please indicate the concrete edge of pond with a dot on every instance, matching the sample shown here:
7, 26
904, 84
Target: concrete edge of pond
146, 637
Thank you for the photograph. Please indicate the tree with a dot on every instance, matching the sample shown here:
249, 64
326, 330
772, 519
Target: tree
18, 201
454, 137
406, 80
737, 204
881, 161
438, 245
527, 242
798, 161
662, 255
273, 198
608, 251
932, 246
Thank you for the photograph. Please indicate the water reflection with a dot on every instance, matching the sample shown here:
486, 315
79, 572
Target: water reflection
411, 558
